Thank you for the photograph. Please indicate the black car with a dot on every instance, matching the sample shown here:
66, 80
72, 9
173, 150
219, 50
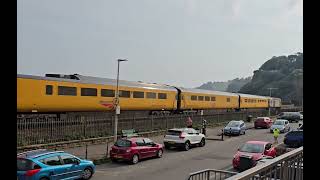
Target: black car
294, 138
291, 116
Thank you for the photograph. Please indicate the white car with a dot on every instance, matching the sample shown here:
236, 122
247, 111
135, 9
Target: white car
183, 138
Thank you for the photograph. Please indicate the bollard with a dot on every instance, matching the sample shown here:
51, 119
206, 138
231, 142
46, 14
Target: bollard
86, 151
222, 135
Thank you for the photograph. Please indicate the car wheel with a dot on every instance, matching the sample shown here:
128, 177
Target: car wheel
86, 173
114, 160
159, 153
244, 132
135, 159
202, 142
187, 146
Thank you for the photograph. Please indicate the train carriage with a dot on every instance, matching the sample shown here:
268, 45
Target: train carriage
248, 101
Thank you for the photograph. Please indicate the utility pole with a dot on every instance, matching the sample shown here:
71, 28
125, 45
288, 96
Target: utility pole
270, 89
117, 103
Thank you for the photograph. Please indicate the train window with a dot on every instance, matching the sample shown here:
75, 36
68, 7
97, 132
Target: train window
125, 94
151, 95
245, 100
107, 93
138, 94
213, 98
67, 91
49, 90
162, 96
200, 98
88, 92
228, 99
207, 98
193, 98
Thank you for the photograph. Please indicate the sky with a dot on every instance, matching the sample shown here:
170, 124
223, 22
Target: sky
177, 42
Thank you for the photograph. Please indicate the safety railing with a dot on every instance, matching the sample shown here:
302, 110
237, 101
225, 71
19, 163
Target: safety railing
210, 174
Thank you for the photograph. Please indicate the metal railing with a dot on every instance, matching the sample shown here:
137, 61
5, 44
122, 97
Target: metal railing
210, 174
285, 167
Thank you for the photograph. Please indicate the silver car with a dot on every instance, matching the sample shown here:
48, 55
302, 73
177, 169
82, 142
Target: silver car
281, 124
235, 128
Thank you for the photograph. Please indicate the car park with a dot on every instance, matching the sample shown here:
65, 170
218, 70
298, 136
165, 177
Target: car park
251, 152
183, 138
281, 124
135, 149
262, 122
294, 138
291, 116
235, 128
46, 165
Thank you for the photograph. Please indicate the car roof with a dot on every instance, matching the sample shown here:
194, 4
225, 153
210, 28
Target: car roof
180, 129
262, 117
257, 142
237, 121
36, 153
281, 120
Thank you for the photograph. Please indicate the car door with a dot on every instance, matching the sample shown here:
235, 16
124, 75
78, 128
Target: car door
56, 168
242, 127
151, 149
191, 135
287, 125
74, 169
196, 135
141, 148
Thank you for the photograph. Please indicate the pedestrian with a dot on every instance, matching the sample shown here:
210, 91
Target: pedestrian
189, 122
276, 133
204, 126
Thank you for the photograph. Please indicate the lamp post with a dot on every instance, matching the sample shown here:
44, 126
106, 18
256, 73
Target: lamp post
117, 103
270, 97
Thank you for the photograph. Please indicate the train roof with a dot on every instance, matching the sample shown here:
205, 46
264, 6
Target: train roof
253, 96
207, 91
101, 81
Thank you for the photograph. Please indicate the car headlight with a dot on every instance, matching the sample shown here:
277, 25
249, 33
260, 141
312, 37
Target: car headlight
128, 150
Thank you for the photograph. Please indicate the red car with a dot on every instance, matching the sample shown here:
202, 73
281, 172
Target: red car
255, 150
134, 149
263, 122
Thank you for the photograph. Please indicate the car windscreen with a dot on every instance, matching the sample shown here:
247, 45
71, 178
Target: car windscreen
173, 132
279, 123
123, 143
26, 164
252, 148
233, 124
260, 120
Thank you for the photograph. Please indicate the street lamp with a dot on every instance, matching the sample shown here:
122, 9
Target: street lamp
117, 103
270, 97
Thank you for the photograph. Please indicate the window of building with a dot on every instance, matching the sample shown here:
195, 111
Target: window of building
213, 98
228, 100
125, 94
51, 161
138, 94
67, 91
107, 93
49, 90
207, 98
194, 98
200, 98
162, 96
151, 95
88, 92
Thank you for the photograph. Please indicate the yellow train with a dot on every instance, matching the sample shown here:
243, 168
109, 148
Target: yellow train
76, 93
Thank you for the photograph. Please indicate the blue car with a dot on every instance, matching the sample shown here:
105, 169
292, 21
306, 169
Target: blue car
235, 128
294, 138
51, 165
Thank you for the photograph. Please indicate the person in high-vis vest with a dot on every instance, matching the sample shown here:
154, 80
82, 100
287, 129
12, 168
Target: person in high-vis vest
276, 133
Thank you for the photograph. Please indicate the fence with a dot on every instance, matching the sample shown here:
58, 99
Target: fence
210, 174
44, 130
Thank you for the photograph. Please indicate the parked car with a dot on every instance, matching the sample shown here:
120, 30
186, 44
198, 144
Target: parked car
262, 122
134, 149
291, 116
45, 165
183, 138
281, 124
252, 151
294, 138
235, 128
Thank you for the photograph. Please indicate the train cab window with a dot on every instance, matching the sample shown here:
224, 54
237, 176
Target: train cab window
213, 98
138, 94
207, 98
194, 98
49, 90
107, 93
125, 94
67, 91
88, 92
162, 96
151, 95
228, 100
200, 98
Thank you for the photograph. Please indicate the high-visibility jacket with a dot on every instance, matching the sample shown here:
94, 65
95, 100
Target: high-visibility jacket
276, 132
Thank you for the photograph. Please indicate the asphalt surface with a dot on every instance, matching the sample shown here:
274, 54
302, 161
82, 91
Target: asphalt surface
177, 164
